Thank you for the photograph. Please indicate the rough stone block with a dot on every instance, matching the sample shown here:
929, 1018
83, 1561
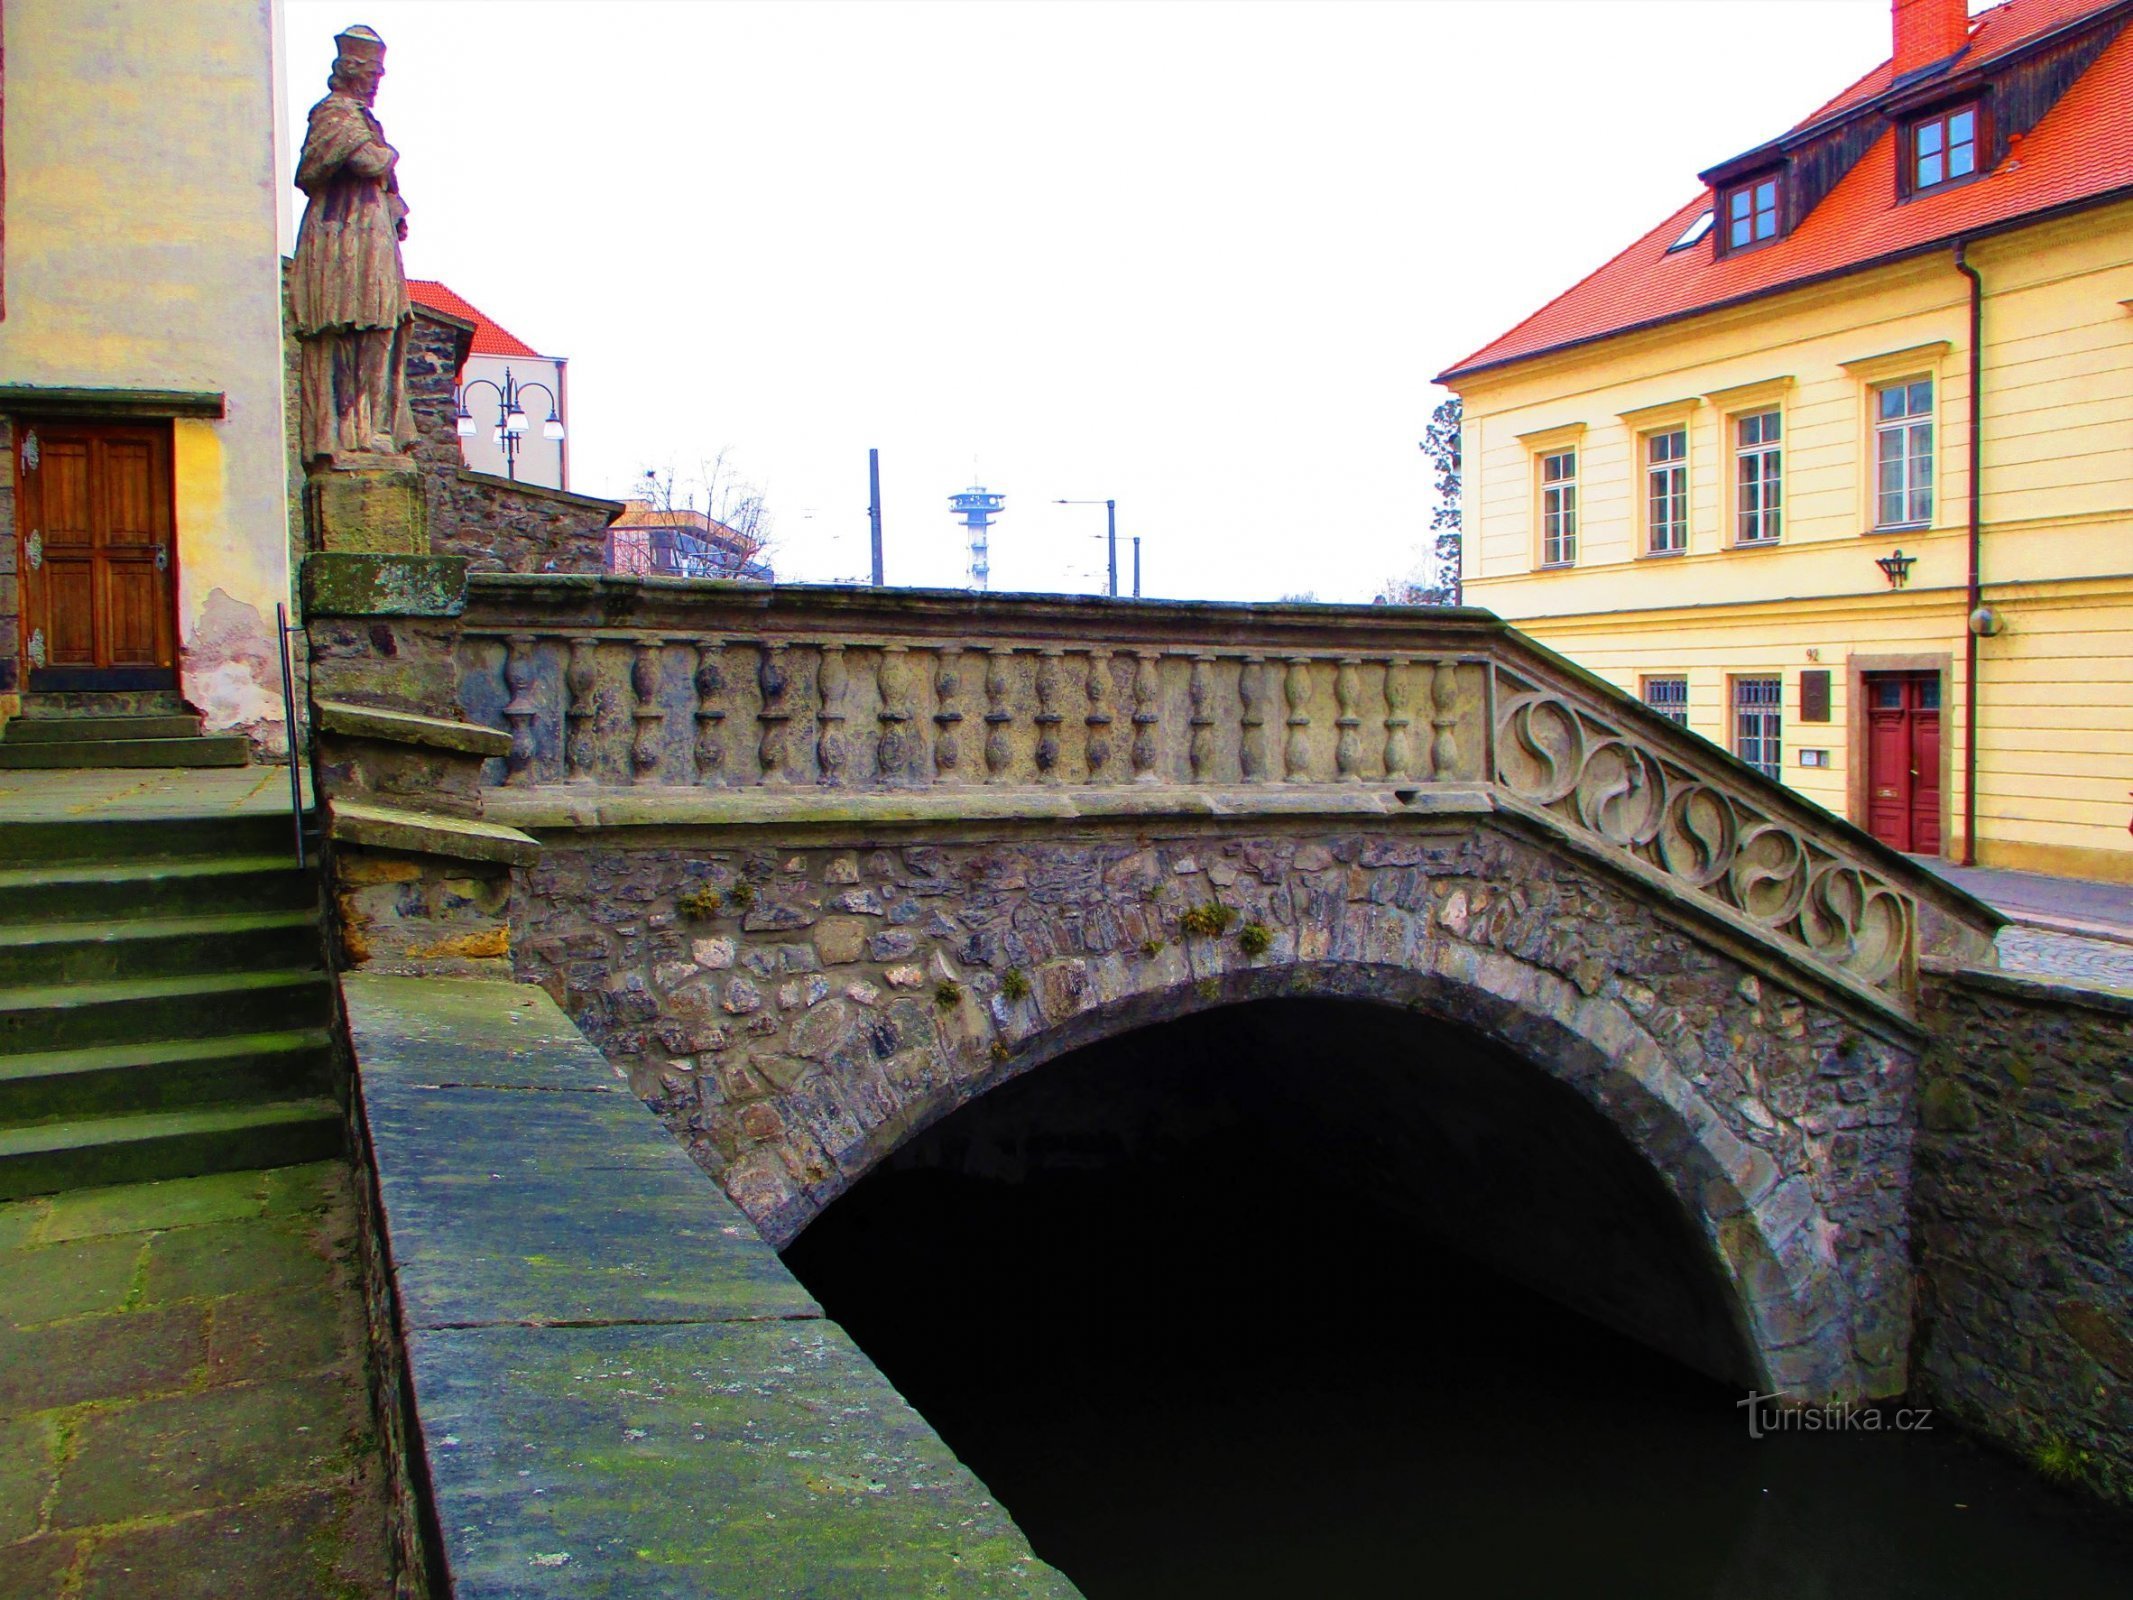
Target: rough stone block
368, 511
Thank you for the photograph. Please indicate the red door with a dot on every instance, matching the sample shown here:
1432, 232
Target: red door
1903, 760
94, 508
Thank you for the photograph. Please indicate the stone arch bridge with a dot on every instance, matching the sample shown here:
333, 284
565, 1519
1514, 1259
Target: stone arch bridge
816, 867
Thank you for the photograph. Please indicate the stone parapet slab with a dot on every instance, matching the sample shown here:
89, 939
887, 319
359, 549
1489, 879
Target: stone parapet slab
408, 727
617, 1387
349, 584
427, 833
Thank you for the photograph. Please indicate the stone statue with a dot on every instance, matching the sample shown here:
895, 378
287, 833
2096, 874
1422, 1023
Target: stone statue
347, 288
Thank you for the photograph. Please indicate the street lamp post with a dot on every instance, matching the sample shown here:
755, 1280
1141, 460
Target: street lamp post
510, 415
1110, 534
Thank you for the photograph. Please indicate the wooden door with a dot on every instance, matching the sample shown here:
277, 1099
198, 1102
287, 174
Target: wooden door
97, 555
1903, 759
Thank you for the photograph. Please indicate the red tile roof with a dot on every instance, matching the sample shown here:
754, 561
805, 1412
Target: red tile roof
2082, 151
490, 339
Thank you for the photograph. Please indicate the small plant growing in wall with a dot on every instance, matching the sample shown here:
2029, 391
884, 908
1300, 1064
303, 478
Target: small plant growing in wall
1151, 947
1254, 939
947, 995
701, 904
1209, 921
2059, 1462
743, 896
999, 1051
1014, 984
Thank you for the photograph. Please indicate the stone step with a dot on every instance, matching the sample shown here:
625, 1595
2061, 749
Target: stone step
99, 891
209, 750
77, 1016
39, 704
157, 947
165, 1075
143, 840
50, 730
166, 1144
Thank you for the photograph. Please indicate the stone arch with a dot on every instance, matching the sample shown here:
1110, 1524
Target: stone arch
1764, 1229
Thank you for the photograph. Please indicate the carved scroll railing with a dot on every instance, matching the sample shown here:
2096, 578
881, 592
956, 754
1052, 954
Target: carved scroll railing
1719, 839
672, 689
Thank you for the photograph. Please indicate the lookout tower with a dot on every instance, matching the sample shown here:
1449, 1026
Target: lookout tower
977, 507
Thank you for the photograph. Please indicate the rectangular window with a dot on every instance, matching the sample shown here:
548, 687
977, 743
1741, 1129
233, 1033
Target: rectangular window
1752, 213
1559, 508
1758, 724
1903, 454
1666, 491
1944, 148
1669, 697
1758, 474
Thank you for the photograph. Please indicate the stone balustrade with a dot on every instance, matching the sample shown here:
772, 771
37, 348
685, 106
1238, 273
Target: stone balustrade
621, 684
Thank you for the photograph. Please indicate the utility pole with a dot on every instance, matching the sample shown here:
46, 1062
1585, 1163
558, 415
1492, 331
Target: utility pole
1111, 541
874, 508
1136, 566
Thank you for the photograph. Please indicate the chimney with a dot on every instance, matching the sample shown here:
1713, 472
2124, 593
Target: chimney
1928, 31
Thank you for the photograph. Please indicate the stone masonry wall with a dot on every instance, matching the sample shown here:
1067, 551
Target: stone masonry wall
2024, 1220
796, 1012
503, 526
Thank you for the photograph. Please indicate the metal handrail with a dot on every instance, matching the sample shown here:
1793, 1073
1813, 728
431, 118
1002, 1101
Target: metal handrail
289, 733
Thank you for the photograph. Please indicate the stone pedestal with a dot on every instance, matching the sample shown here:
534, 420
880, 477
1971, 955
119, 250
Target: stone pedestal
371, 505
422, 883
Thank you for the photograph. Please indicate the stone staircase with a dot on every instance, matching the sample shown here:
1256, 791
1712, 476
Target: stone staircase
149, 729
164, 1003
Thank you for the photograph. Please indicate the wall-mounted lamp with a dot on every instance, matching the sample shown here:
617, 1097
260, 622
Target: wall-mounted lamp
1987, 623
1897, 568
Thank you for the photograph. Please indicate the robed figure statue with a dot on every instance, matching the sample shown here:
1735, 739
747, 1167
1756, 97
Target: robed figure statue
347, 288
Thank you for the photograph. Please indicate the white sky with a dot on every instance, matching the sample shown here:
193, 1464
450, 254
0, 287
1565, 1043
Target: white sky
1200, 257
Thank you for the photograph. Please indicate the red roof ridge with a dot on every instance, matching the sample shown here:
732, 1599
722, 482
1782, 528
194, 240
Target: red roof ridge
491, 338
1860, 221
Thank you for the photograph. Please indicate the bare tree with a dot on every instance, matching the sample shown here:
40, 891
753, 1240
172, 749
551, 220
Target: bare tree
729, 535
1435, 581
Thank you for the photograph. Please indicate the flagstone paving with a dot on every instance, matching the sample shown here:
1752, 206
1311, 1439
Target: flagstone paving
184, 1406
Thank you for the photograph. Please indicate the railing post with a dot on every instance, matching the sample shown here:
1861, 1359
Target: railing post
1251, 730
1147, 715
710, 680
892, 680
947, 744
582, 678
1443, 719
1098, 720
1348, 744
1201, 749
521, 678
774, 676
651, 719
1397, 720
1296, 755
831, 678
1048, 715
998, 751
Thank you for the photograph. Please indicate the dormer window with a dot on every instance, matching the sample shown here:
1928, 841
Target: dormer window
1943, 148
1751, 213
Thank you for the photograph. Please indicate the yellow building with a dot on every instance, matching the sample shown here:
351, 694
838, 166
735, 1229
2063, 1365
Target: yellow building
144, 522
1836, 464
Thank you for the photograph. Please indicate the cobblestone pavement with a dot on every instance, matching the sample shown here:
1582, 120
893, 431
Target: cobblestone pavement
2103, 962
183, 1401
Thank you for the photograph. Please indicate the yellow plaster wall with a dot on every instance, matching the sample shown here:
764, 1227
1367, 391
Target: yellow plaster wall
142, 148
2055, 726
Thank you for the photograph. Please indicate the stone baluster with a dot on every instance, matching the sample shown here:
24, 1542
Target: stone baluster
582, 679
1296, 690
892, 676
1201, 750
832, 677
999, 752
1147, 718
947, 719
1348, 746
1098, 748
1443, 720
710, 680
1251, 734
522, 677
1048, 715
774, 675
1396, 719
651, 719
